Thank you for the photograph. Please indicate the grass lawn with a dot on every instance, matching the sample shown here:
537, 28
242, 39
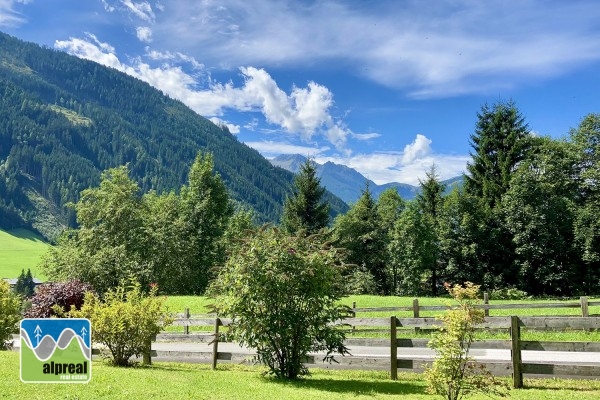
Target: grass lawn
20, 249
198, 381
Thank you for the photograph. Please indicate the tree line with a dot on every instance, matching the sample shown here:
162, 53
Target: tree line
525, 219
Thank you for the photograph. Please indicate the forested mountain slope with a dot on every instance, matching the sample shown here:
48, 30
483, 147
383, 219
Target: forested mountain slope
63, 120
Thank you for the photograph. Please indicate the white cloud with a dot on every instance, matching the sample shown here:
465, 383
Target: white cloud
142, 10
304, 112
271, 149
454, 48
405, 167
416, 150
234, 129
144, 34
365, 136
9, 17
108, 7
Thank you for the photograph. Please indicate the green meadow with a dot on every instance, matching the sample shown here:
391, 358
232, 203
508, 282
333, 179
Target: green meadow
198, 381
20, 249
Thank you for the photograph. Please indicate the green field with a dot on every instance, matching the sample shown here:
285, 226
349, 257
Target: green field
20, 249
198, 381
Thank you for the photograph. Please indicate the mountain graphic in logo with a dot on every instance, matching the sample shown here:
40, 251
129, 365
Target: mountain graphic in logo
56, 350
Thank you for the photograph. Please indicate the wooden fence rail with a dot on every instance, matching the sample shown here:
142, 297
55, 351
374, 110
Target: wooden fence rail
515, 366
583, 304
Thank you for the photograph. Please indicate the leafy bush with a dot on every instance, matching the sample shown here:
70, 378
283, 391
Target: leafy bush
509, 294
281, 294
454, 374
126, 320
10, 313
360, 281
53, 298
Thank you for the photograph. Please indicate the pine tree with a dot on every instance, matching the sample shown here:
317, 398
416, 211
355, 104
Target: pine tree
305, 209
360, 231
500, 142
430, 202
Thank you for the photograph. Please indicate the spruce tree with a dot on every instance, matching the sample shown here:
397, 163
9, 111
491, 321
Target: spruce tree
500, 142
430, 203
305, 210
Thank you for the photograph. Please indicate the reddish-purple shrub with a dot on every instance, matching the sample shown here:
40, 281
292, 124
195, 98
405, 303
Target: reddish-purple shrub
63, 294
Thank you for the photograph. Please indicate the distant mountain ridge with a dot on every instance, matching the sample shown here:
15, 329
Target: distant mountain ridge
347, 183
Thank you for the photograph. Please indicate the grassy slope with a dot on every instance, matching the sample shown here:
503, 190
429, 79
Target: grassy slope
20, 249
186, 381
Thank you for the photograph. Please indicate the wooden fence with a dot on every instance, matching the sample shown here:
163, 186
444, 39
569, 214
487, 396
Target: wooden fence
583, 304
396, 360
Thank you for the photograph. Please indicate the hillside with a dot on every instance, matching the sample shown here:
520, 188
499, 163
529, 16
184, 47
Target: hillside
21, 249
63, 120
347, 183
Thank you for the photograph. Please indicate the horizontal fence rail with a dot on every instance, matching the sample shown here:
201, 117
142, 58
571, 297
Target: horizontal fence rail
397, 358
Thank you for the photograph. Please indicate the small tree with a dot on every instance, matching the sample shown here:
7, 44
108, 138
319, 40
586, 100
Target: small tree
454, 374
10, 313
25, 285
126, 320
281, 293
305, 208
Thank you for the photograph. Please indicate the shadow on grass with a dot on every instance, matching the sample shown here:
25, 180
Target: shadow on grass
355, 386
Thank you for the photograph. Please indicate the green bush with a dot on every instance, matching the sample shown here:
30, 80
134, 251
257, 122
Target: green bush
10, 314
360, 281
454, 374
509, 294
281, 294
125, 320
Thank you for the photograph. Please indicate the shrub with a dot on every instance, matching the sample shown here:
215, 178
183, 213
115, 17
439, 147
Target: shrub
126, 320
281, 294
51, 299
509, 294
10, 314
454, 374
360, 281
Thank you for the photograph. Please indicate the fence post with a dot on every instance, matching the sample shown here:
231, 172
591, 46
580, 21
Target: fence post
486, 301
186, 314
416, 313
353, 313
515, 352
393, 349
585, 312
215, 353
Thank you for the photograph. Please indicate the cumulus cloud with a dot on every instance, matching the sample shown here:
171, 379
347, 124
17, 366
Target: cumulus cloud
144, 34
418, 149
304, 111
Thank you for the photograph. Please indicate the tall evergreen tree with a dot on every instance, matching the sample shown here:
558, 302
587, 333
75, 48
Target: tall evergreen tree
305, 209
360, 232
430, 202
500, 142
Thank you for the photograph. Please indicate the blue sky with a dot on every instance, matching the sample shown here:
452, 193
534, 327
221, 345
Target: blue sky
387, 87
